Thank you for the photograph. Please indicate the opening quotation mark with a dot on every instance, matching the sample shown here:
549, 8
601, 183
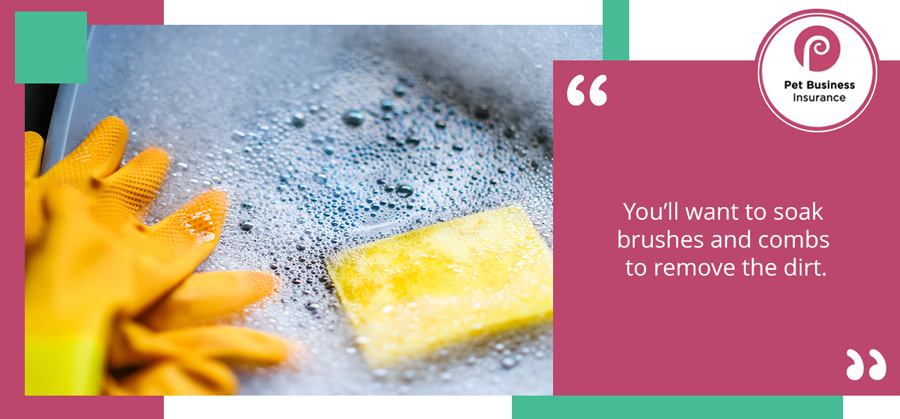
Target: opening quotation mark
576, 98
858, 368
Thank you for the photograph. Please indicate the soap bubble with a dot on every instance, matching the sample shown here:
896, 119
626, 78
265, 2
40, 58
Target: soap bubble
434, 128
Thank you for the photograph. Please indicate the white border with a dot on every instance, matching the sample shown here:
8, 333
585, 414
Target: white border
382, 12
871, 407
323, 407
687, 30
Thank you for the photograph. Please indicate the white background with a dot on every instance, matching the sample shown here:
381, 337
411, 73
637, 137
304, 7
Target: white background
729, 30
382, 12
332, 407
871, 407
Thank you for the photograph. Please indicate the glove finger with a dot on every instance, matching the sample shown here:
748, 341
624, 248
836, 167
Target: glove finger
191, 233
135, 345
234, 345
174, 247
210, 297
128, 192
34, 149
188, 376
98, 155
34, 218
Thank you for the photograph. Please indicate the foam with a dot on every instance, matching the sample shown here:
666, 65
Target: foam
221, 100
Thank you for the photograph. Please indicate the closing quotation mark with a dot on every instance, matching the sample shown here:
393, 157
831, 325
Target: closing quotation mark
576, 98
856, 371
879, 370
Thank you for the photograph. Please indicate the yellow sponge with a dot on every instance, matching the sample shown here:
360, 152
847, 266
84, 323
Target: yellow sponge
419, 291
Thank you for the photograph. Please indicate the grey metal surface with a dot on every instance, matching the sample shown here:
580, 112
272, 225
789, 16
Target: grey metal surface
57, 136
57, 141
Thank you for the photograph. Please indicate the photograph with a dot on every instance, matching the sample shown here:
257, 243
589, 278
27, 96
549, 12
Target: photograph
296, 210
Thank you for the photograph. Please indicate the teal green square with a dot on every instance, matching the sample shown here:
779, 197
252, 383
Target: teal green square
51, 47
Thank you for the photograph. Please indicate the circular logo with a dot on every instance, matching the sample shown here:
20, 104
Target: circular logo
817, 70
817, 48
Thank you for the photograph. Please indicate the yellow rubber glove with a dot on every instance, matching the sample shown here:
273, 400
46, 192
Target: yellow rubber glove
89, 258
90, 170
186, 353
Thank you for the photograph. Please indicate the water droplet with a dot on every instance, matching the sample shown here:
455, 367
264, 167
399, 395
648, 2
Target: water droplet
246, 226
387, 104
353, 117
399, 90
509, 132
508, 363
320, 178
405, 191
482, 112
298, 120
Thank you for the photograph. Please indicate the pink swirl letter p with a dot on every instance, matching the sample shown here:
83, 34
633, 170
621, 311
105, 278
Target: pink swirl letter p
817, 48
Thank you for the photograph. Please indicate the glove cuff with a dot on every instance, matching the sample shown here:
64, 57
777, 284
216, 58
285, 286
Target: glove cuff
63, 365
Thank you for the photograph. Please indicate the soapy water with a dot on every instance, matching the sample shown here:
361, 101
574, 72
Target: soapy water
326, 138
